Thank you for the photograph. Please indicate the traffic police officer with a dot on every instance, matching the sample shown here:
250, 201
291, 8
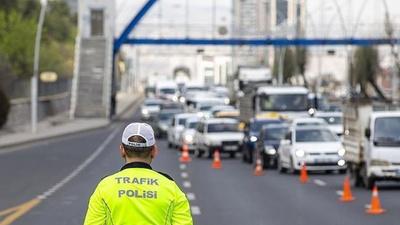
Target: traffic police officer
137, 194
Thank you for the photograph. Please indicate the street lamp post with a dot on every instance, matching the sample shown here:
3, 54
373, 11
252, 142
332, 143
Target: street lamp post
34, 79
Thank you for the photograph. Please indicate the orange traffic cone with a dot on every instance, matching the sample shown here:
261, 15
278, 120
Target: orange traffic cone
258, 170
217, 163
375, 204
303, 174
185, 153
347, 197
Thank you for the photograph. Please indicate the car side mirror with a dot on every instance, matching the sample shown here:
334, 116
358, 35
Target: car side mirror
368, 133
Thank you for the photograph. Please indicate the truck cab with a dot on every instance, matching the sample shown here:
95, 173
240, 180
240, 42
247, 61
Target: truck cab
372, 144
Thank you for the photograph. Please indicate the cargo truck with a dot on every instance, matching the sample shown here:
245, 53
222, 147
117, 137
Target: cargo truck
372, 142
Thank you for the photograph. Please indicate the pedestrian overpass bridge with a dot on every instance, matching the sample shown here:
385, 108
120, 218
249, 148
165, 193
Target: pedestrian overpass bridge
97, 48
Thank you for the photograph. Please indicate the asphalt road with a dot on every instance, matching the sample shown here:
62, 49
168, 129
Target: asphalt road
51, 182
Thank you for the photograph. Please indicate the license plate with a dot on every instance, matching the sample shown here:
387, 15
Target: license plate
230, 147
323, 160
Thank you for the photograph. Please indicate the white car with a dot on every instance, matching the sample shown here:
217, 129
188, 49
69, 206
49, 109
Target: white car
175, 128
334, 120
187, 134
218, 134
308, 121
150, 107
316, 146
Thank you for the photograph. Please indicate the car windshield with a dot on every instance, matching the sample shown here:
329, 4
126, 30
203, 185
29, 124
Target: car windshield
182, 121
257, 124
315, 135
311, 123
165, 116
387, 131
335, 108
192, 125
167, 91
284, 102
274, 134
205, 108
153, 103
222, 127
172, 106
332, 120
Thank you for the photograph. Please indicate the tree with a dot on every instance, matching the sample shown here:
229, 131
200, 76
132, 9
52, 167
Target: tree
366, 67
301, 62
288, 65
16, 42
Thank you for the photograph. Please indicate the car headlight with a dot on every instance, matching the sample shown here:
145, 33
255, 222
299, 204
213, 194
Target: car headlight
341, 152
269, 149
300, 153
226, 101
182, 99
145, 111
188, 138
175, 98
253, 139
376, 162
341, 162
164, 126
200, 114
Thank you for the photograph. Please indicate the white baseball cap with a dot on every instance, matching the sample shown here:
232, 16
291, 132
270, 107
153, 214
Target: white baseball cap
143, 130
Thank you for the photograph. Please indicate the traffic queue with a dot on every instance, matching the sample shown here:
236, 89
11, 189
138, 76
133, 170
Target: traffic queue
284, 133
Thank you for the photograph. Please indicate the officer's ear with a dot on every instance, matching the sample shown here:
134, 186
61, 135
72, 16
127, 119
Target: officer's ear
122, 151
154, 151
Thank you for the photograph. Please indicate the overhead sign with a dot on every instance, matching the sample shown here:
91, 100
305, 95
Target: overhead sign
48, 77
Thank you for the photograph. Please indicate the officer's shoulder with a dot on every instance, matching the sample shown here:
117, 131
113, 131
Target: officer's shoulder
166, 175
105, 177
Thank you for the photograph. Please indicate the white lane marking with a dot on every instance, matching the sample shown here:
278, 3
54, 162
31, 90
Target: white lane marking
367, 206
184, 175
182, 166
73, 174
195, 210
190, 196
187, 184
319, 182
340, 193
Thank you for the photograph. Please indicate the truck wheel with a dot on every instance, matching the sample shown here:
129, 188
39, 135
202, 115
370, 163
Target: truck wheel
357, 179
169, 144
232, 154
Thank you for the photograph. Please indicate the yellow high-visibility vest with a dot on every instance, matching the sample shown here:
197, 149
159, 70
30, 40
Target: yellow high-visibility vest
138, 195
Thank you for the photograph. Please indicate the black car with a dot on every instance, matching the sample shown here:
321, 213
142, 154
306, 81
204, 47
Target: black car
163, 120
268, 143
251, 133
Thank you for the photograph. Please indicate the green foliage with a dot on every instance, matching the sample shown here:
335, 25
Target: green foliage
365, 69
16, 42
301, 61
18, 25
365, 64
289, 65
